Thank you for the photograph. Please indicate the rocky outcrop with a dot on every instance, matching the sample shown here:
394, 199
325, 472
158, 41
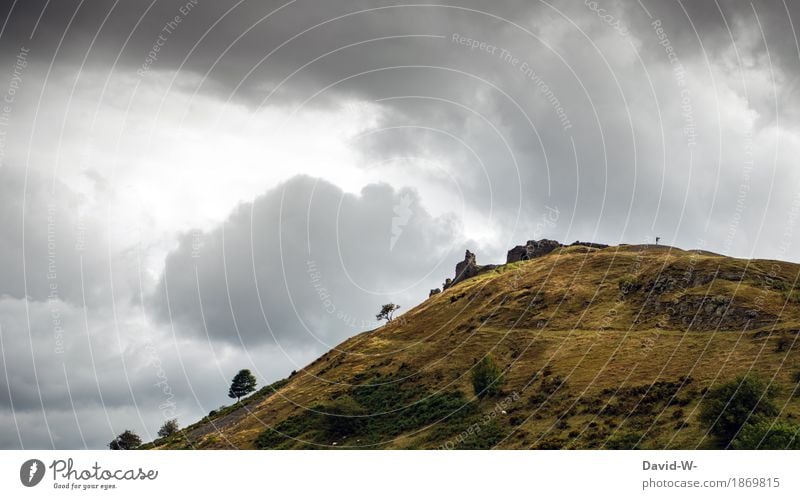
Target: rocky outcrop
467, 269
590, 245
532, 249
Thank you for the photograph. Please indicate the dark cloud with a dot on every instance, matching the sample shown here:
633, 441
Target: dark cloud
469, 144
305, 265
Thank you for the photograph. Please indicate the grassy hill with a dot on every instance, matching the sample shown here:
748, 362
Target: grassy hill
600, 348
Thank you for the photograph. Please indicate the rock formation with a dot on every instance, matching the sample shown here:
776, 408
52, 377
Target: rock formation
467, 269
590, 245
532, 249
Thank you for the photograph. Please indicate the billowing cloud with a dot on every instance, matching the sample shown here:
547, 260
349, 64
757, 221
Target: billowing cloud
306, 264
332, 156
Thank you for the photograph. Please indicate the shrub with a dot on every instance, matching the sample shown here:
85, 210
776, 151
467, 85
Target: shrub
728, 407
379, 408
169, 427
628, 284
775, 435
344, 418
485, 437
487, 378
782, 345
126, 440
625, 441
792, 295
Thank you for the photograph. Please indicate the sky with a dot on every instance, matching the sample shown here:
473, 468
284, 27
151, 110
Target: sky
189, 188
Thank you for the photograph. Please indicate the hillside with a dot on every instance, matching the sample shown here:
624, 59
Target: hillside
602, 348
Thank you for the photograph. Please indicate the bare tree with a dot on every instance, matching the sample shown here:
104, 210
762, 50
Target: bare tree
387, 311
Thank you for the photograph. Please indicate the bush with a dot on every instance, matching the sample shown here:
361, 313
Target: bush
775, 435
169, 427
625, 441
728, 407
487, 378
344, 418
782, 345
380, 408
485, 437
628, 284
792, 296
126, 440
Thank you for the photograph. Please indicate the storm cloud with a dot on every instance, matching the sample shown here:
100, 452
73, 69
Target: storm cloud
305, 265
217, 185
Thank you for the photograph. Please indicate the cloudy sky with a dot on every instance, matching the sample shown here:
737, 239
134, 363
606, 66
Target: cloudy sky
191, 187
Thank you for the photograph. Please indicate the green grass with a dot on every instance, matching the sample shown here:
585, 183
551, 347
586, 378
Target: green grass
370, 415
792, 296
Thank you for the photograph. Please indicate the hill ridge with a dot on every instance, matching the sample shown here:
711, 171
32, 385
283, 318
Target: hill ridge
597, 345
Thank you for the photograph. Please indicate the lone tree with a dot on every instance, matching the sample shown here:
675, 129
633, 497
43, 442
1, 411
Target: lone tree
387, 311
487, 378
168, 428
732, 405
243, 383
126, 440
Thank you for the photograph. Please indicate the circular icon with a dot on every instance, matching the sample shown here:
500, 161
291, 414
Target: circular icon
31, 472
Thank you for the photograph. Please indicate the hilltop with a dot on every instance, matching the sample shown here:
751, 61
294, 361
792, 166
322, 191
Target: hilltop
602, 347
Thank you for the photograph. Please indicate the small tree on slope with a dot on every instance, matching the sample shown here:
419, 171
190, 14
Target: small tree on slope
243, 383
487, 378
126, 440
387, 311
168, 428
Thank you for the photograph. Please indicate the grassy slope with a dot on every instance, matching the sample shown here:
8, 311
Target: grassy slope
603, 348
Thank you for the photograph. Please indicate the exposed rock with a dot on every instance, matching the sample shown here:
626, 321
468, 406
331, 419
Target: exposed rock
532, 249
434, 291
467, 269
590, 245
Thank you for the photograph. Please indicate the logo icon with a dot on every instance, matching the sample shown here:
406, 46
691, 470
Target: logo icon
31, 472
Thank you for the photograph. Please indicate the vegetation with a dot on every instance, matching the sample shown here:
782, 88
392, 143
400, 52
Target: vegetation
625, 441
730, 406
776, 434
485, 436
372, 414
592, 368
487, 378
792, 296
628, 284
243, 383
170, 427
127, 440
387, 311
